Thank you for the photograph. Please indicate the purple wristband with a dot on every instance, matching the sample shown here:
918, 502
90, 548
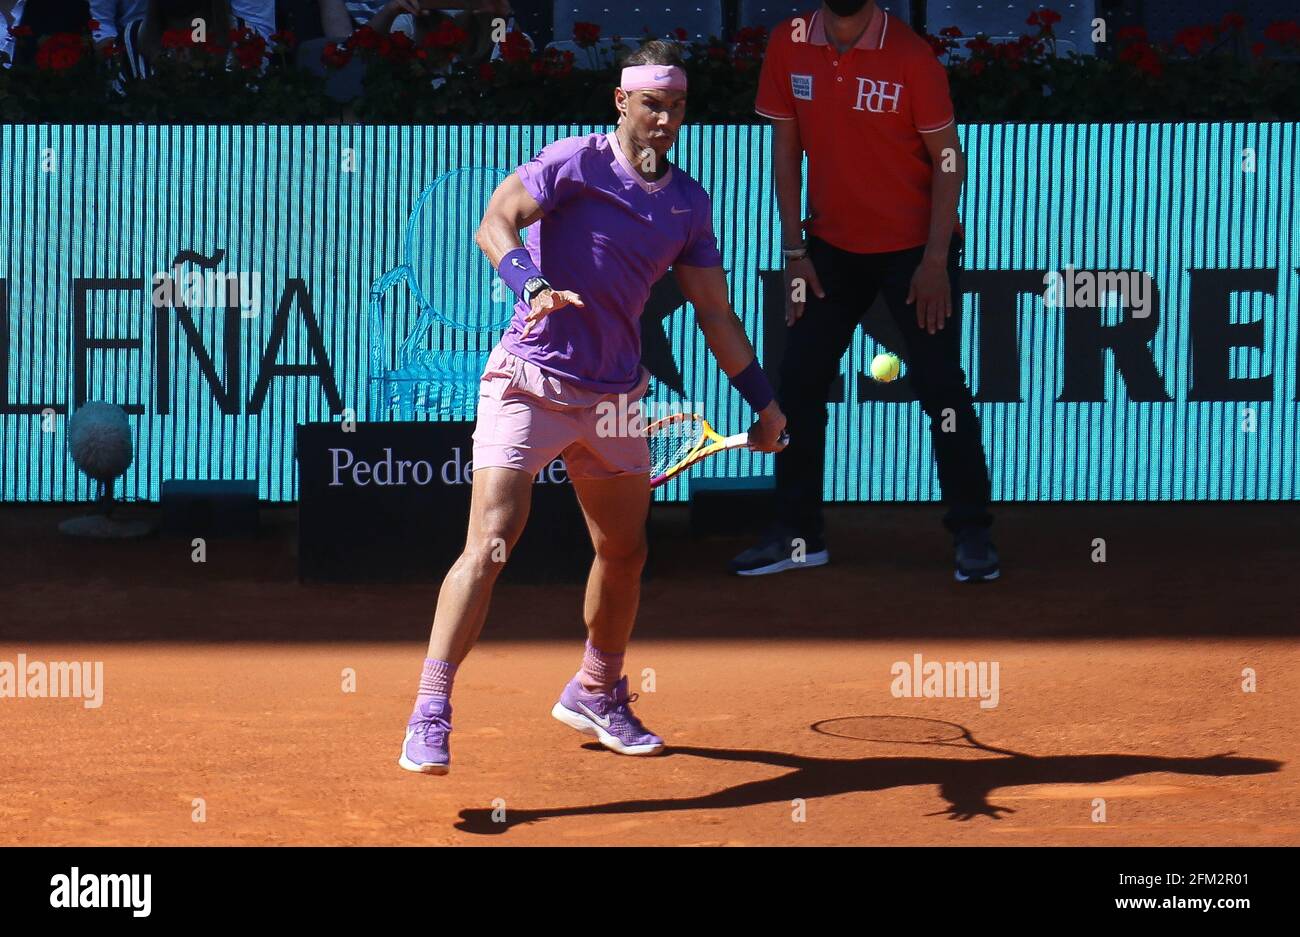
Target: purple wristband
753, 386
516, 269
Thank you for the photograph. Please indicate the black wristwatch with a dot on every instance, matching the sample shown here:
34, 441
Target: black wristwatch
533, 286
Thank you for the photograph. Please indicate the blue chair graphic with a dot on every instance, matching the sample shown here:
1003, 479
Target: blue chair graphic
460, 300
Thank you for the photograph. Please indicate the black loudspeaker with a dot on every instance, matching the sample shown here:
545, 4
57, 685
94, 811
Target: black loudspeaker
209, 509
731, 505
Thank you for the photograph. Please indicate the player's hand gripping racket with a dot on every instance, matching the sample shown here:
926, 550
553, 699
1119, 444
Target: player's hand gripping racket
683, 439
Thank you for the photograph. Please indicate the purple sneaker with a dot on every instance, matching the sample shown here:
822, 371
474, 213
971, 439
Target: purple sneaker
426, 748
607, 716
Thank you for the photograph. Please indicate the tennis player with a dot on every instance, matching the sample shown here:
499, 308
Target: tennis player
865, 98
607, 216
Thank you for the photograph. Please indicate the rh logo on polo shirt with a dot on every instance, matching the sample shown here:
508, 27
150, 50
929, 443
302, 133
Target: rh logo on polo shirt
877, 96
802, 87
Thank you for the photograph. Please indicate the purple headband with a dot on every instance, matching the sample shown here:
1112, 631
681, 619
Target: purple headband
653, 77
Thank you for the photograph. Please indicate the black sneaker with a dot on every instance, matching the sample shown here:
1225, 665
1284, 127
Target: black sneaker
780, 552
977, 558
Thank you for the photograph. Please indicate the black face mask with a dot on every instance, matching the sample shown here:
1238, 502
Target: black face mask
845, 7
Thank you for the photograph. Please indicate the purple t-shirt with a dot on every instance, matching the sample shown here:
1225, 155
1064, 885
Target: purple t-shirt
608, 235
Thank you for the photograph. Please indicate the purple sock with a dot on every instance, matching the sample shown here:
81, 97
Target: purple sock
600, 671
435, 680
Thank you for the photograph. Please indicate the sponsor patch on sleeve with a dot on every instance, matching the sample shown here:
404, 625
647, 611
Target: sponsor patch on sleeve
802, 87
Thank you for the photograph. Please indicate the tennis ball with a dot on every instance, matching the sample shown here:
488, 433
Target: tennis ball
884, 367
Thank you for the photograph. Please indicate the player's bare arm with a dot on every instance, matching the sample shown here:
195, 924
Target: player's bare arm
930, 288
706, 289
510, 210
800, 275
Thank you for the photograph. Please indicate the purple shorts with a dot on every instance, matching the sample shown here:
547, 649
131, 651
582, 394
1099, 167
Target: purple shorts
528, 416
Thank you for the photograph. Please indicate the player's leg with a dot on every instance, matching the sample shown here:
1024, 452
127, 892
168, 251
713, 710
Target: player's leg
498, 511
516, 435
815, 345
615, 510
610, 476
934, 366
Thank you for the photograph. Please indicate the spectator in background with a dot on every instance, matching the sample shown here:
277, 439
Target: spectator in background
314, 19
115, 17
363, 11
535, 18
416, 18
142, 40
257, 15
11, 16
35, 19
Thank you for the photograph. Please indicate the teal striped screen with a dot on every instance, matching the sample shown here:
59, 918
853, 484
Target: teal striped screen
1204, 404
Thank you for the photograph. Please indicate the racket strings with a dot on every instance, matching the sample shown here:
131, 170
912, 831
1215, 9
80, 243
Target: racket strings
672, 441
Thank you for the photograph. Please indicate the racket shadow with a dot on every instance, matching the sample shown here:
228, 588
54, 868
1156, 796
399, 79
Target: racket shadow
964, 783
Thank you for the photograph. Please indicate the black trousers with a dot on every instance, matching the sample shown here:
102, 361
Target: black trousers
817, 342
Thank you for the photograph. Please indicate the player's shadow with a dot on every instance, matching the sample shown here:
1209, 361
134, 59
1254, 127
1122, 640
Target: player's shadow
965, 783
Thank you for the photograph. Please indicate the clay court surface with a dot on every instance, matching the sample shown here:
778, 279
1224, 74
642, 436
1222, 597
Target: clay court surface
1119, 681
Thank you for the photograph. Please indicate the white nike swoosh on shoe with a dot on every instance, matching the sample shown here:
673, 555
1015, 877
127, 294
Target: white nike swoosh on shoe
603, 723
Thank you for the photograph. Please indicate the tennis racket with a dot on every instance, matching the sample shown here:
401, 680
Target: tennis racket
681, 440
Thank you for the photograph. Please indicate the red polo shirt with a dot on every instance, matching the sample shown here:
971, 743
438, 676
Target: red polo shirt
861, 116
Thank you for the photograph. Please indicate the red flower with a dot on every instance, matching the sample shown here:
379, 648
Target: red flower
539, 67
447, 36
1048, 17
586, 34
681, 34
335, 56
398, 47
364, 38
558, 65
950, 31
976, 66
515, 48
979, 45
1140, 53
1257, 49
21, 32
176, 39
1131, 34
250, 54
717, 53
1232, 22
941, 46
486, 72
1194, 38
1283, 32
59, 52
1150, 63
92, 25
285, 38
